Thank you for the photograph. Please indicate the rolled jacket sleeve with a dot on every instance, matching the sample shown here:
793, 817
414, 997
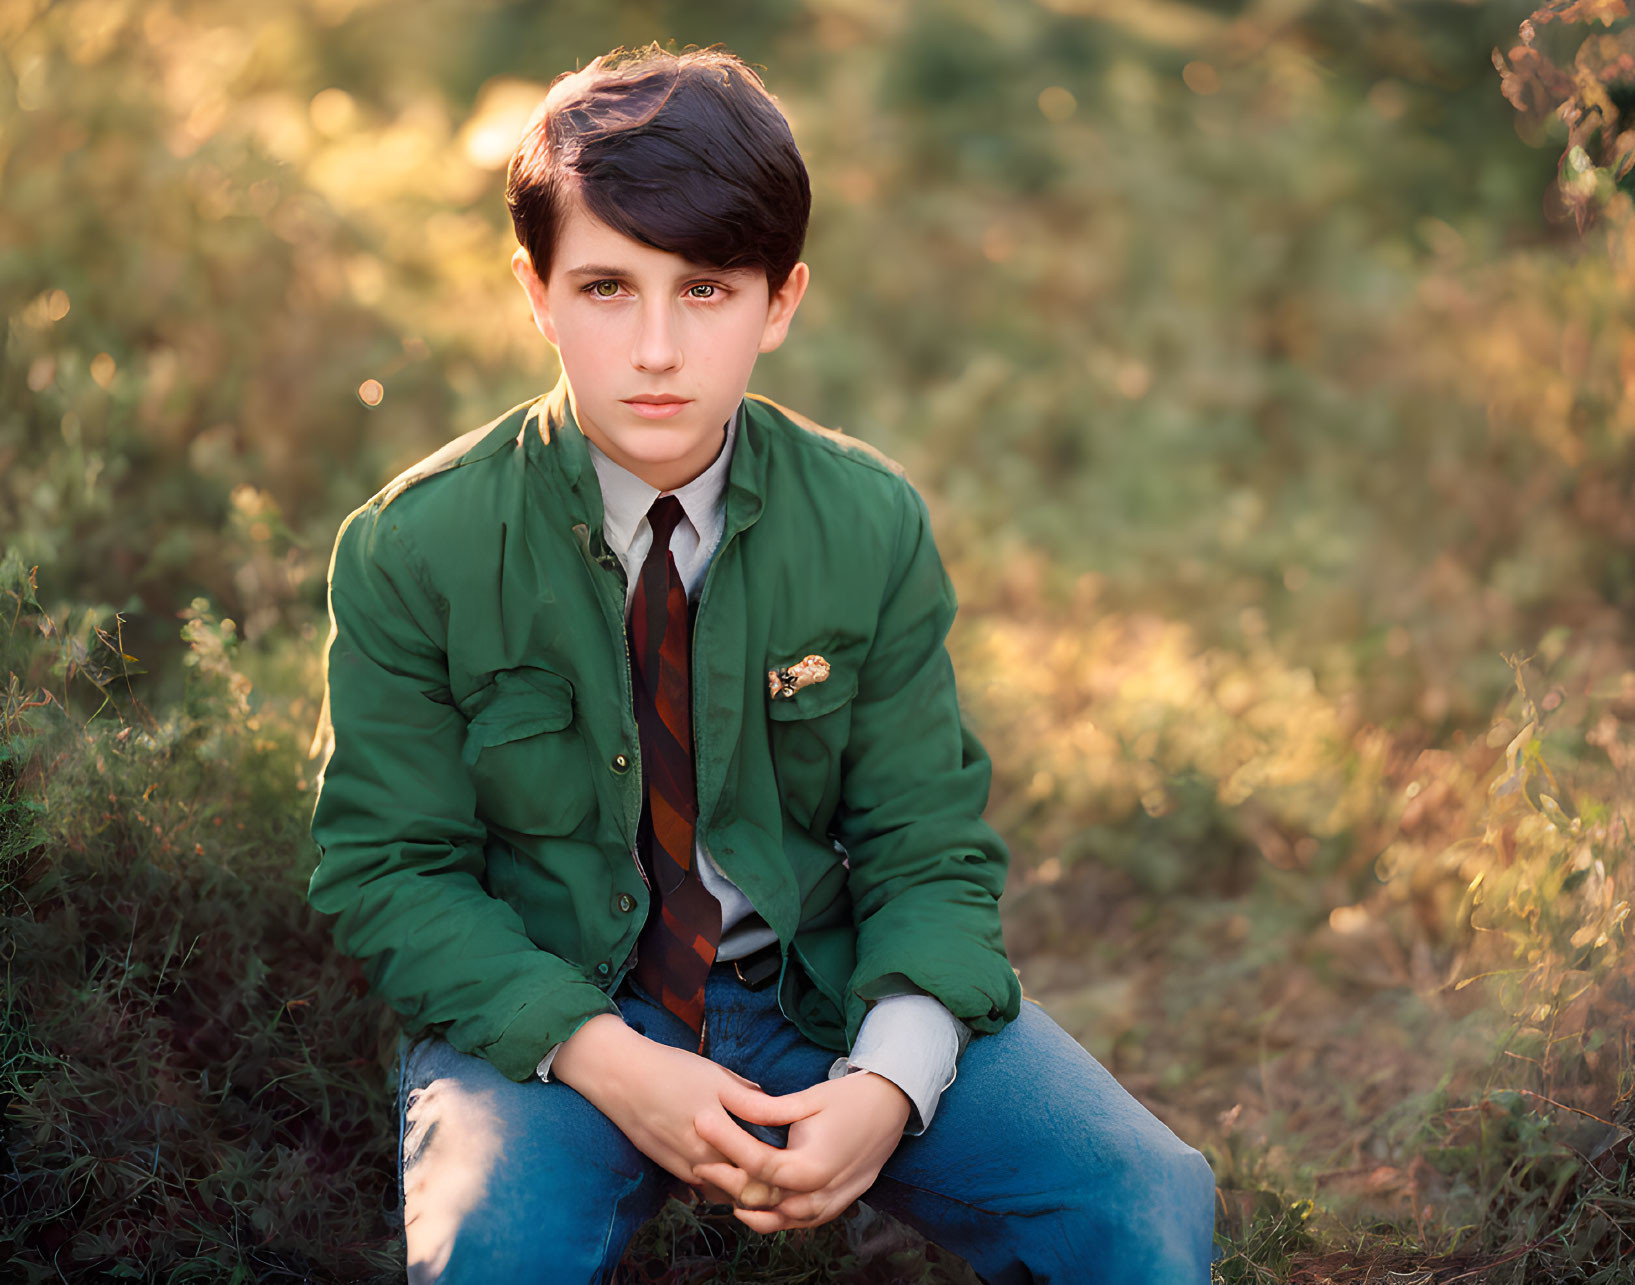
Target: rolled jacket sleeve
925, 870
401, 844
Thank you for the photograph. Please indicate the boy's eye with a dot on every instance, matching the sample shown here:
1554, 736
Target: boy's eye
708, 287
604, 289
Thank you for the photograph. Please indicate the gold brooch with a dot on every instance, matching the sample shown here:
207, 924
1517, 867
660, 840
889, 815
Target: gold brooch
789, 679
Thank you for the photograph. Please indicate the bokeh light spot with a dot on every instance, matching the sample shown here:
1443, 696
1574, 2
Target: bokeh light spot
997, 243
1057, 103
1201, 78
333, 111
1133, 379
498, 121
370, 391
1388, 99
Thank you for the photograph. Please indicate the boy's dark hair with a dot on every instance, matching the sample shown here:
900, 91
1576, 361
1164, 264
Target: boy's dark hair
686, 152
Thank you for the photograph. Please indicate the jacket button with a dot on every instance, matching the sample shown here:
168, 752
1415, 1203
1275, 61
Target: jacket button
620, 763
626, 903
602, 968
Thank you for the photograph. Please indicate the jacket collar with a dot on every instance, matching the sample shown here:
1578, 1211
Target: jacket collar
567, 453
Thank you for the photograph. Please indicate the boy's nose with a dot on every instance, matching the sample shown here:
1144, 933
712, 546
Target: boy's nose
656, 347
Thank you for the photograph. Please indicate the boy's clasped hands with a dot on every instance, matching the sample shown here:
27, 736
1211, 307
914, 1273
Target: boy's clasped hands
673, 1106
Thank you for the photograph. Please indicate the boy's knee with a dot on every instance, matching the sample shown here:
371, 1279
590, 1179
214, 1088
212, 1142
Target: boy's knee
1168, 1183
1194, 1183
451, 1147
1130, 1176
525, 1184
1152, 1217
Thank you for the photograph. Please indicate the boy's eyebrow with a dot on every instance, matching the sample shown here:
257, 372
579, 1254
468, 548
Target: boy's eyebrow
600, 270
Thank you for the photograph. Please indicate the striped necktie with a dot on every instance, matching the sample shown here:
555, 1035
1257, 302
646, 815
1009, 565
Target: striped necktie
678, 942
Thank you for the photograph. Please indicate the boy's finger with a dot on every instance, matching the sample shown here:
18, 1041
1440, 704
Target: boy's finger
763, 1108
766, 1221
741, 1189
710, 1193
716, 1180
725, 1178
748, 1153
759, 1195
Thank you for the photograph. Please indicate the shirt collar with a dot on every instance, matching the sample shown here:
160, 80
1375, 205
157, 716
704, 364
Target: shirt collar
626, 498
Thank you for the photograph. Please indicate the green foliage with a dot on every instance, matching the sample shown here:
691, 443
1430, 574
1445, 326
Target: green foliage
1261, 414
1265, 1232
189, 1073
1555, 1190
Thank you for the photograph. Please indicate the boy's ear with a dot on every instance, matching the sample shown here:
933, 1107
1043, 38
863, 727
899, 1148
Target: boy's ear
780, 307
522, 267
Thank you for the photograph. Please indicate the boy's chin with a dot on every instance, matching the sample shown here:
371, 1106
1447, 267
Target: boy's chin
658, 447
655, 454
665, 439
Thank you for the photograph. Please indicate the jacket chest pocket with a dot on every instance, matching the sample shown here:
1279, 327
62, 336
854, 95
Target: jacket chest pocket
808, 732
527, 761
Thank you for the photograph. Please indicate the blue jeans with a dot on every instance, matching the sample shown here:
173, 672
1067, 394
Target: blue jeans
1037, 1166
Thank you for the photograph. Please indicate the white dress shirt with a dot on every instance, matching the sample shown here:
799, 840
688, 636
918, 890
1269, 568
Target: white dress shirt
910, 1038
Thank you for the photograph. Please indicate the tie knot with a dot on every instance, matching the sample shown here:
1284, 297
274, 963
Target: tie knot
662, 517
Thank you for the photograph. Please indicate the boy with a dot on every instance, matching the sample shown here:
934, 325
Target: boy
649, 793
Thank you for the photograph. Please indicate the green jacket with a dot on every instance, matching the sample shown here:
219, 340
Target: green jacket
477, 813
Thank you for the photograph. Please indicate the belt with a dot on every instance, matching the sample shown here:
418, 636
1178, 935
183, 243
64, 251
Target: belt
757, 969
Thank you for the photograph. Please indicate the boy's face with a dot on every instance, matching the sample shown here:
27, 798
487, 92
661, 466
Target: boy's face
657, 350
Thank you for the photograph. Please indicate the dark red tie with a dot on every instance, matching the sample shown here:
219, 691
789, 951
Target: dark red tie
678, 942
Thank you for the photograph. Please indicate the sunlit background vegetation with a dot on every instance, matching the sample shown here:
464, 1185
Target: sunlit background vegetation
1269, 368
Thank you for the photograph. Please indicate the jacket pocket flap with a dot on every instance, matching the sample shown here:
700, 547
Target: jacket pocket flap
519, 703
815, 698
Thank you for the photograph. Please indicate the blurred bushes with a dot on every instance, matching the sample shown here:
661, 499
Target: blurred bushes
1266, 400
1531, 901
1192, 330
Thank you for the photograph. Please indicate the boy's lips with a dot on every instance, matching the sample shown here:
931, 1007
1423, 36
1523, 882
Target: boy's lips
660, 406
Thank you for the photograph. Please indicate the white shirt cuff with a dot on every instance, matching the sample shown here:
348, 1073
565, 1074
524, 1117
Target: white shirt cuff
913, 1041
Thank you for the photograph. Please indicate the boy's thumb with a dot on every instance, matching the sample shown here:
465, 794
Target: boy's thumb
761, 1108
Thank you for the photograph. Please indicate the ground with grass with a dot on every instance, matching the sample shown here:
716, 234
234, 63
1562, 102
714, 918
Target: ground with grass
1269, 373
